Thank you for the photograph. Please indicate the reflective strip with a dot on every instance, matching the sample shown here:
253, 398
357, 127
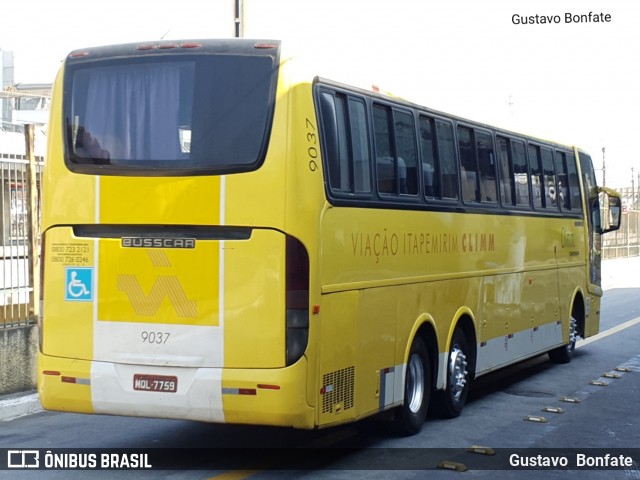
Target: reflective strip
503, 350
79, 381
239, 391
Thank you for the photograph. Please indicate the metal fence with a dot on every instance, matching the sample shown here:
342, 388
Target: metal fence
626, 241
16, 289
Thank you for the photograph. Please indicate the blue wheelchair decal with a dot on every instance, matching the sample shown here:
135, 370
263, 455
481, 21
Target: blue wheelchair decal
79, 284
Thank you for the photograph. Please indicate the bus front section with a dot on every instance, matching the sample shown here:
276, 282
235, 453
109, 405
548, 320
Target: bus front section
170, 286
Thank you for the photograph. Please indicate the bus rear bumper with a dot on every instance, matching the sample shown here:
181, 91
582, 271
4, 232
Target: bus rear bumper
244, 396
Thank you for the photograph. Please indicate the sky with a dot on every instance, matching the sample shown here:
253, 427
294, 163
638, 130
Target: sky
575, 83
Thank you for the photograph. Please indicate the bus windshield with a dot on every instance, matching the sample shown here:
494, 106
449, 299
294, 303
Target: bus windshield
173, 114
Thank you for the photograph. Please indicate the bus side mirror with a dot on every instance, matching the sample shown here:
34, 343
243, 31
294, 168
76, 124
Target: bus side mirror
612, 205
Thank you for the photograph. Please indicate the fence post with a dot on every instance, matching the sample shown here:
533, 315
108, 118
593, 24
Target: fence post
32, 233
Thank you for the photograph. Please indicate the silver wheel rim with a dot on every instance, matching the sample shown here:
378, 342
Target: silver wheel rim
573, 335
415, 383
457, 372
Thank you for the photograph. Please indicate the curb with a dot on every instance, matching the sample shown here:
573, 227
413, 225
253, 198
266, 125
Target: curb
18, 405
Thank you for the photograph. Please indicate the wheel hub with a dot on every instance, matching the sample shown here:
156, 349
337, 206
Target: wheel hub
457, 372
415, 379
573, 335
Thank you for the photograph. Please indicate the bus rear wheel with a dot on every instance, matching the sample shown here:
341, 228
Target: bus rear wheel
451, 400
409, 417
564, 353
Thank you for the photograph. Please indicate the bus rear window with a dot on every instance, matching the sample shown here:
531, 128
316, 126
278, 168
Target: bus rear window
169, 114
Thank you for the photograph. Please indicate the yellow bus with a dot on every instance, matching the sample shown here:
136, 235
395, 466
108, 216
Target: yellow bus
228, 240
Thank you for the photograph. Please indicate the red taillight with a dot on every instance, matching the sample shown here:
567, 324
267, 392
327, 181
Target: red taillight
297, 275
265, 386
297, 300
167, 46
265, 46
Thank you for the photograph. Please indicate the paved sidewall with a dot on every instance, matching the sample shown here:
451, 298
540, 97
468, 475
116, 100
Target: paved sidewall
18, 358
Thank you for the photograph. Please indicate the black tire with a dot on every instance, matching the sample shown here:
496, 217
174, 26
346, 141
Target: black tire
564, 353
451, 400
409, 417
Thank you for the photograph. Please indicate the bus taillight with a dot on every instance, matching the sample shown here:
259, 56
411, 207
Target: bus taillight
297, 300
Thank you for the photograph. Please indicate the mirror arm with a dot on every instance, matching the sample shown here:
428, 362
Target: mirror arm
609, 191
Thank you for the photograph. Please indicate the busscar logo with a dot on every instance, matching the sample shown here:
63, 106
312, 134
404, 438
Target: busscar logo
23, 459
158, 242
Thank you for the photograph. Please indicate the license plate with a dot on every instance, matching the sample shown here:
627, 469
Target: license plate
155, 383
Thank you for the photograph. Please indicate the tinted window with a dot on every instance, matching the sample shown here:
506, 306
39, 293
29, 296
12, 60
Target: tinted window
156, 114
477, 166
407, 158
574, 182
506, 175
430, 168
468, 165
487, 167
550, 188
346, 143
520, 173
563, 181
536, 175
447, 158
396, 155
360, 142
385, 159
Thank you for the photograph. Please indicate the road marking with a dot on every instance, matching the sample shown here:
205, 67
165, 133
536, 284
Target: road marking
606, 333
481, 450
553, 409
570, 400
535, 419
457, 466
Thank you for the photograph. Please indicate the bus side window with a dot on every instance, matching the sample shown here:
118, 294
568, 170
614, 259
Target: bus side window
333, 129
430, 168
385, 164
486, 167
447, 159
550, 187
574, 183
360, 146
536, 175
346, 140
468, 165
396, 156
506, 171
563, 181
520, 174
406, 151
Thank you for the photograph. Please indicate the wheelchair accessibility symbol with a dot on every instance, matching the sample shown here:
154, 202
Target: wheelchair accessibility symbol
79, 284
